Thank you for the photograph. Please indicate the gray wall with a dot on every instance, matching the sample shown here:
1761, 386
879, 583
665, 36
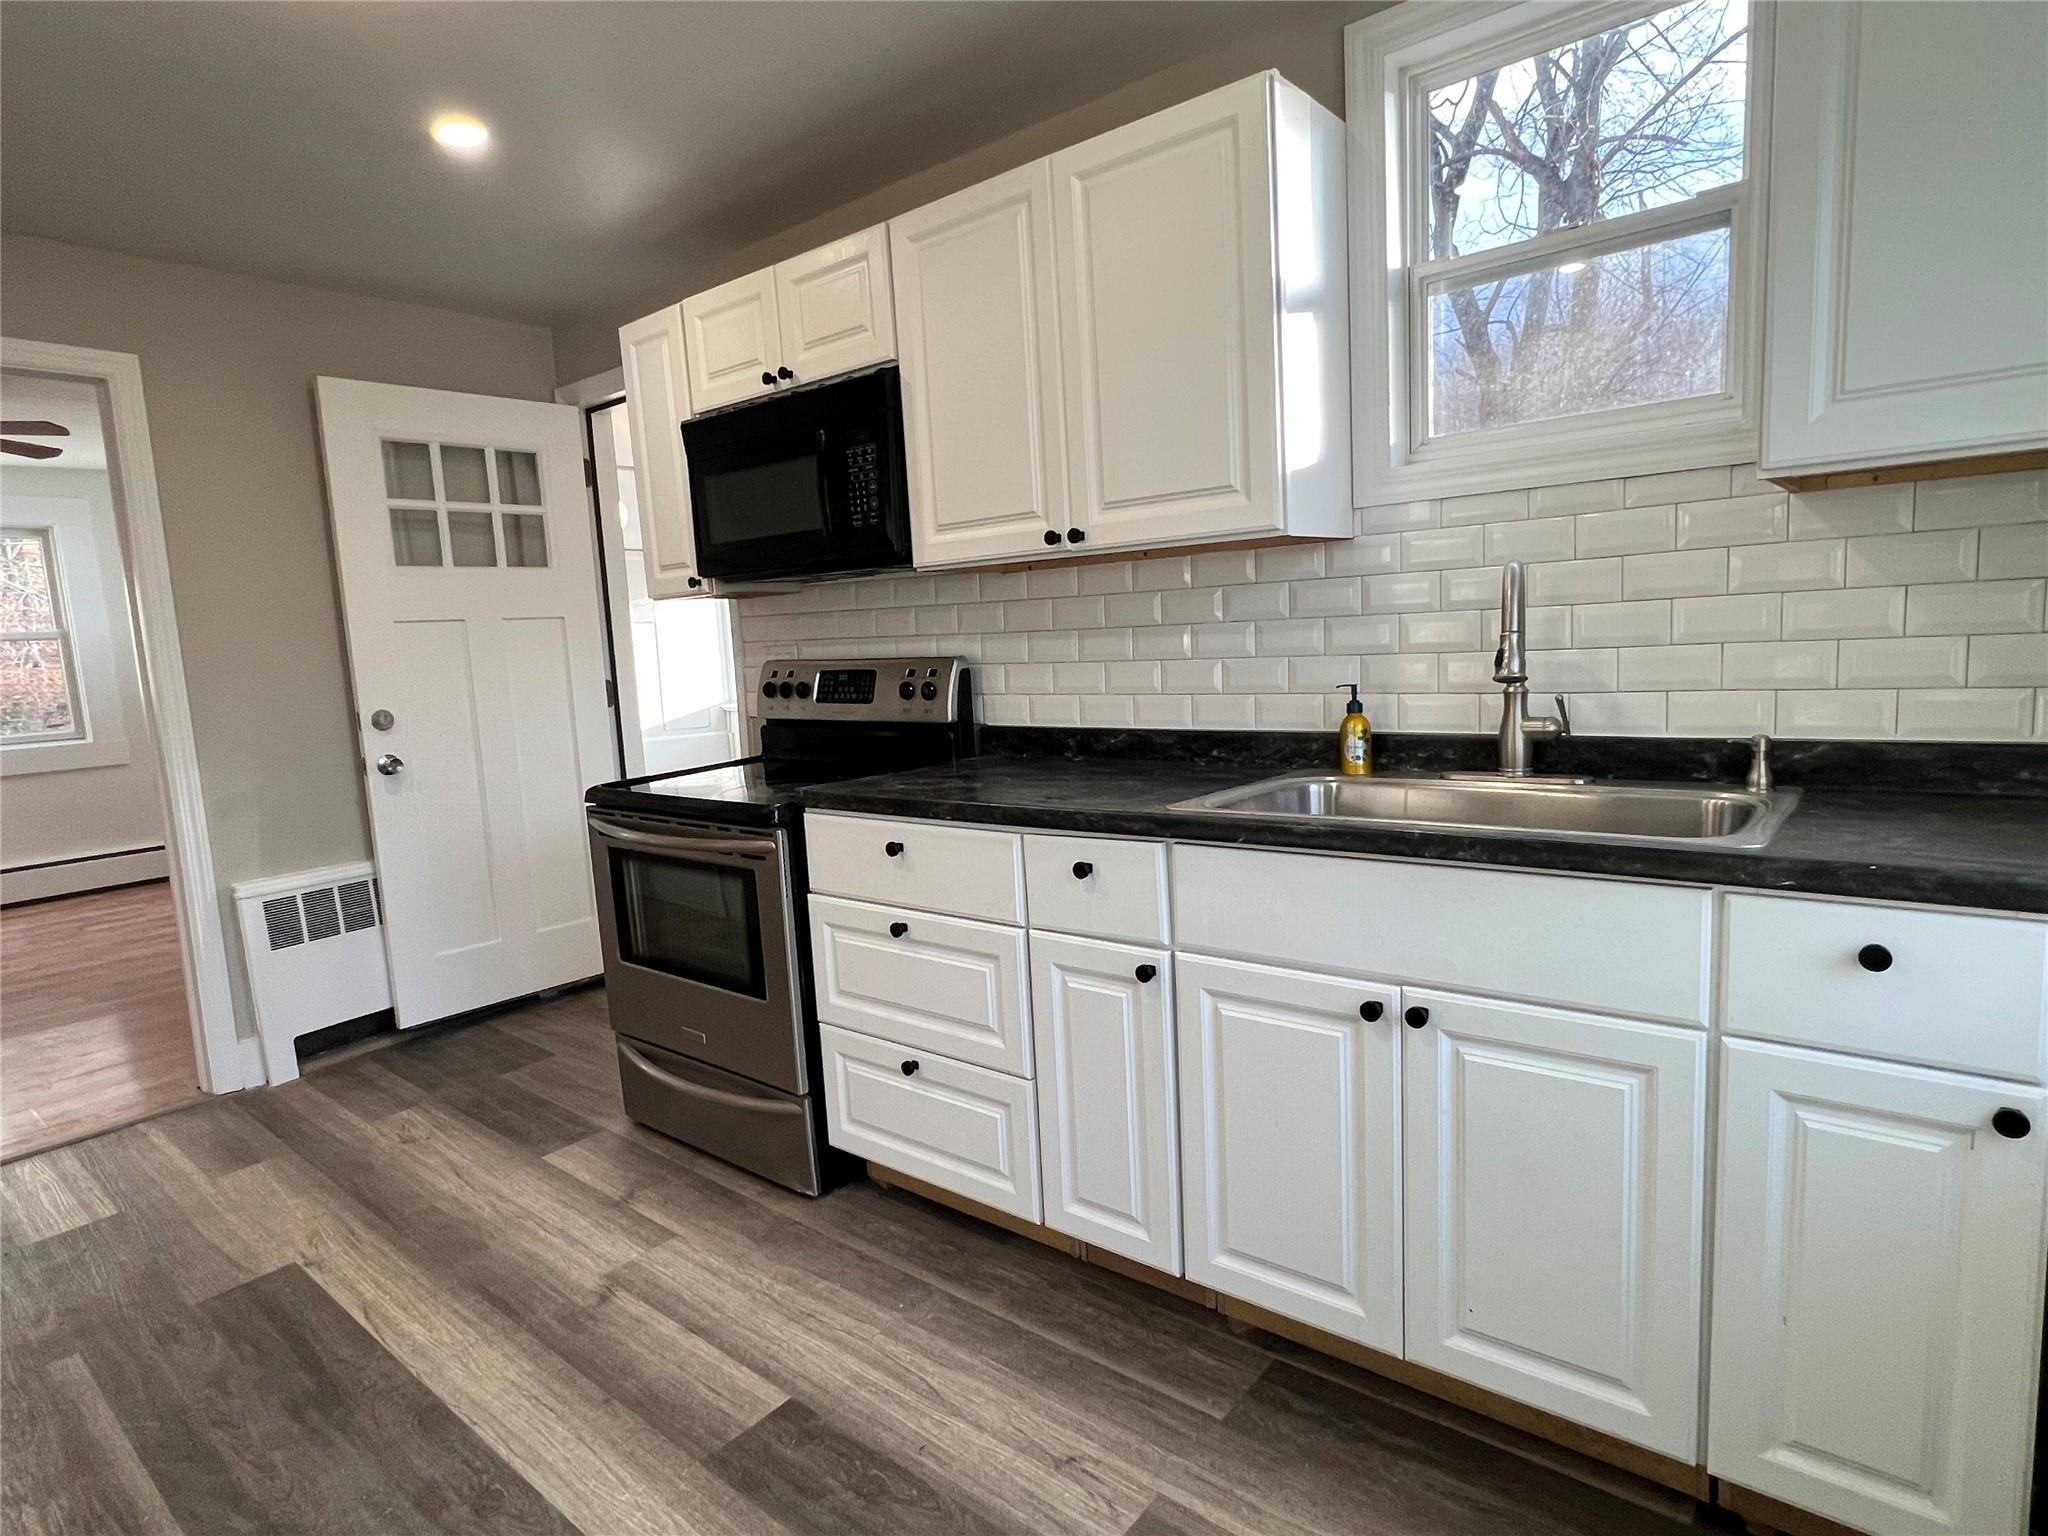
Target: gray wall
1305, 43
227, 369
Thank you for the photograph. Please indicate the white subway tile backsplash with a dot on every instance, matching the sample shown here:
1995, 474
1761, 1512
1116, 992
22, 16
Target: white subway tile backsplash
1641, 623
1413, 672
1975, 608
1435, 548
1031, 677
1683, 573
2008, 661
1632, 531
1288, 637
1683, 485
1105, 645
1543, 629
1289, 562
1838, 712
1003, 648
1160, 573
1902, 559
1717, 620
1192, 605
1392, 517
1540, 538
1104, 579
1321, 674
1332, 597
1055, 709
1617, 714
1670, 667
1162, 642
1289, 712
1939, 661
1980, 501
1439, 631
1363, 636
1468, 672
1255, 674
1989, 714
1224, 567
1053, 581
1579, 496
1368, 555
1132, 608
2015, 549
1223, 639
1000, 586
1224, 712
1849, 613
1779, 664
1809, 564
1053, 645
1132, 676
1163, 712
1108, 710
1078, 613
1389, 594
1737, 520
1267, 600
1573, 671
1030, 613
1191, 676
1475, 588
1870, 509
1494, 507
1575, 581
1439, 712
1079, 677
1720, 713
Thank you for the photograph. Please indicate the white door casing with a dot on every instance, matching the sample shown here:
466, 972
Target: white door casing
651, 352
984, 422
1877, 1291
730, 339
836, 307
1555, 1172
495, 676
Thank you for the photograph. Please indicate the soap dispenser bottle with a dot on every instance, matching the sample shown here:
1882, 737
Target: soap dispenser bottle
1354, 736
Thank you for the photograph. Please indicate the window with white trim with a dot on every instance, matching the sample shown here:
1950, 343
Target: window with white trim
1556, 241
39, 698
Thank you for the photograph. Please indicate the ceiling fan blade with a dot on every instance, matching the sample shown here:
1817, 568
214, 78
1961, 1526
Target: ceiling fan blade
29, 450
34, 429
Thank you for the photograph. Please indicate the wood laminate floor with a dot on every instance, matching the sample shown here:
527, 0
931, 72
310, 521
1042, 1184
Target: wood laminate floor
93, 1027
446, 1286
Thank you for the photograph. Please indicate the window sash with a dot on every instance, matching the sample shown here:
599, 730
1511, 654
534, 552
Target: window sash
67, 653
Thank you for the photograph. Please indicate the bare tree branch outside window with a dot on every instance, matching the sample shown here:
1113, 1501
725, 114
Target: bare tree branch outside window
1643, 116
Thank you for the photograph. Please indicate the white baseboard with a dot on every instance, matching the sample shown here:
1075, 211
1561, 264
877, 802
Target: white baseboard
39, 882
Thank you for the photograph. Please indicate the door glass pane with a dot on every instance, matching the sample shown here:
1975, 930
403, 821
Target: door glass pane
415, 536
408, 471
518, 478
470, 540
526, 538
35, 691
697, 921
463, 473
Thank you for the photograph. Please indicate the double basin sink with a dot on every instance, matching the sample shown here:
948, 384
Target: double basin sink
1690, 814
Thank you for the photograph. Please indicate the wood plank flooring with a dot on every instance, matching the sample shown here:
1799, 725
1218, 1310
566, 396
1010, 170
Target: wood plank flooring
93, 1027
445, 1286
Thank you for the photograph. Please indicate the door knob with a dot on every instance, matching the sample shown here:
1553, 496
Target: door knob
390, 764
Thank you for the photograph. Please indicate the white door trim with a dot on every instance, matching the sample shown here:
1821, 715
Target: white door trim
224, 1064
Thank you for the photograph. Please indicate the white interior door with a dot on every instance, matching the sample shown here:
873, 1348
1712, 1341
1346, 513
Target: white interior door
469, 591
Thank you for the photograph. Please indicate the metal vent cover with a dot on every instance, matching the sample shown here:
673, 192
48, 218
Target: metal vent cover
281, 922
323, 914
358, 906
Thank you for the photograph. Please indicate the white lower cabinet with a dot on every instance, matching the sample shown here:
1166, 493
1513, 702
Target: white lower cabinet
1291, 1143
1877, 1290
1554, 1171
963, 1128
1102, 1018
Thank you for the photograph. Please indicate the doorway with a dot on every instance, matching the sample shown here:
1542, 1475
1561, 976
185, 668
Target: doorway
676, 668
96, 1028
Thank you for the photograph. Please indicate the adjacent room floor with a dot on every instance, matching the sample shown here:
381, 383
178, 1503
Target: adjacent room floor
93, 1024
444, 1285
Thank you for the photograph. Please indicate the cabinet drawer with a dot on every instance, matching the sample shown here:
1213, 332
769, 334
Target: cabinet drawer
962, 1128
1543, 938
1948, 989
938, 983
1100, 886
970, 871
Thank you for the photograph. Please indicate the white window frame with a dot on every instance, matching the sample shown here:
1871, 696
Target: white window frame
1391, 61
77, 586
60, 631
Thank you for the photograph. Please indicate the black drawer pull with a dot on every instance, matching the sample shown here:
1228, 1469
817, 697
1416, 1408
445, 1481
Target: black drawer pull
1076, 536
1874, 957
1052, 536
1370, 1012
2011, 1123
910, 1069
784, 373
897, 930
767, 377
1416, 1016
1082, 870
893, 850
1146, 972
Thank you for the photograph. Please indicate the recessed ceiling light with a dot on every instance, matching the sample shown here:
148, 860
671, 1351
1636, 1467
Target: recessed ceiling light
460, 132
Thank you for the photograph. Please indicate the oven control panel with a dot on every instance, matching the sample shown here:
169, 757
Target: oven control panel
918, 688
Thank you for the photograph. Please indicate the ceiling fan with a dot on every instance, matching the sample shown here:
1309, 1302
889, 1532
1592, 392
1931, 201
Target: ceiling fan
9, 430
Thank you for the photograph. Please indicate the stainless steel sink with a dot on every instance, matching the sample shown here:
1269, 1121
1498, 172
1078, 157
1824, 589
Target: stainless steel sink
1692, 814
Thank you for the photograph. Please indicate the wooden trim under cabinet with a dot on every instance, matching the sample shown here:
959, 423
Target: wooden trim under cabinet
1902, 474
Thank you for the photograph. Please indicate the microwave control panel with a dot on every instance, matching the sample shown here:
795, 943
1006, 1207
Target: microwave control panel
863, 487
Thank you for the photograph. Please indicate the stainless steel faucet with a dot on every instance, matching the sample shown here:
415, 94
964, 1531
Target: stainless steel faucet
1518, 728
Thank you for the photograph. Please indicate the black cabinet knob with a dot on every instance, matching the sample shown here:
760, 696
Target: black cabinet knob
893, 850
784, 373
1874, 957
1370, 1012
910, 1069
1146, 972
1077, 536
1052, 536
767, 377
1416, 1017
897, 930
696, 582
2011, 1123
1082, 870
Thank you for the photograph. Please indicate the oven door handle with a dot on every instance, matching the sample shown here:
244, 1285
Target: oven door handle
684, 842
705, 1090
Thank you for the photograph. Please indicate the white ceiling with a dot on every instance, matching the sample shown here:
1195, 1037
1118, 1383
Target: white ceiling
72, 403
286, 139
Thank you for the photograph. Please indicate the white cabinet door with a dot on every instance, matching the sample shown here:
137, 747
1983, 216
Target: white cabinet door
1877, 1290
836, 309
732, 340
984, 436
651, 351
1102, 1021
1907, 313
1291, 1143
1164, 237
1555, 1169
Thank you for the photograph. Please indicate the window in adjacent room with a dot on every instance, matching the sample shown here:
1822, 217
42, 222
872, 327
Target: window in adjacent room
38, 675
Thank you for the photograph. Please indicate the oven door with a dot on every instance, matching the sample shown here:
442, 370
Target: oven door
700, 943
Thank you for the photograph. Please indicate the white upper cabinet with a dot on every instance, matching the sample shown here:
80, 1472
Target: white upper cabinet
1555, 1210
1201, 275
1907, 278
1877, 1290
732, 341
836, 308
651, 352
978, 321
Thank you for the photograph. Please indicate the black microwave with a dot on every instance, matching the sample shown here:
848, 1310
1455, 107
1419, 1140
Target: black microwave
802, 483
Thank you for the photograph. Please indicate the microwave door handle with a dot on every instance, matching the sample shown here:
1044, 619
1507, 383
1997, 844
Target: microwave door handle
681, 842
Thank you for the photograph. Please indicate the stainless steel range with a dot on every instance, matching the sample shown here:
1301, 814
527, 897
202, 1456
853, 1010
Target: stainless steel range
700, 888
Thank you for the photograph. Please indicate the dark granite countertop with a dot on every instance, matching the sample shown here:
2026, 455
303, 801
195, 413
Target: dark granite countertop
1961, 848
